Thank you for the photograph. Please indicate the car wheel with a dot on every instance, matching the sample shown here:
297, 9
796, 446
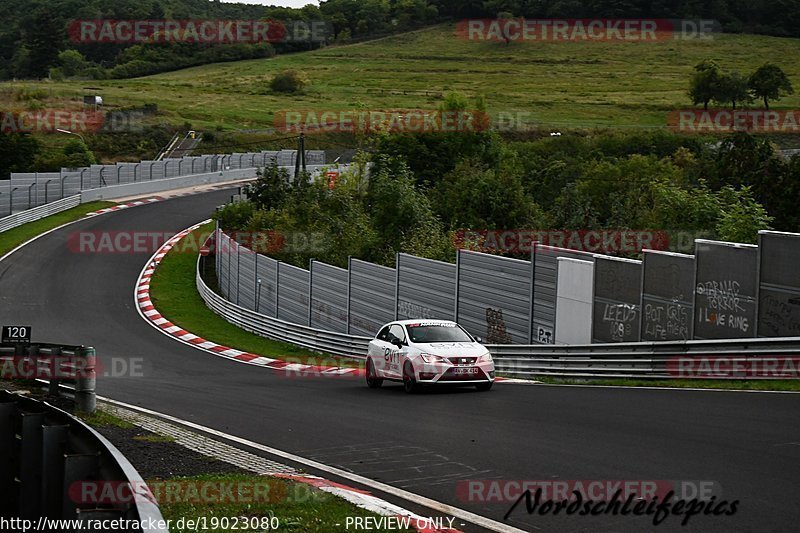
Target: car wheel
483, 387
373, 381
409, 381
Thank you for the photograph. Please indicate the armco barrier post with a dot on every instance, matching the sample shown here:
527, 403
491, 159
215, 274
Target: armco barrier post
85, 381
8, 445
55, 354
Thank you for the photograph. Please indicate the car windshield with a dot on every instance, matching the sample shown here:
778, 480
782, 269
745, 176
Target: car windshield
427, 333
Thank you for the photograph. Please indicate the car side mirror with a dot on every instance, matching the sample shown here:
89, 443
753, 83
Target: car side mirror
397, 342
478, 340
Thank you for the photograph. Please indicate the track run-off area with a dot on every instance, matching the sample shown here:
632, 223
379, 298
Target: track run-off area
458, 447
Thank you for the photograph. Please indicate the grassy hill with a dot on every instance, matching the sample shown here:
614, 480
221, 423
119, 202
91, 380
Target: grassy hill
562, 84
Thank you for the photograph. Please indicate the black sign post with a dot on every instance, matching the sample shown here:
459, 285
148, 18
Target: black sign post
16, 335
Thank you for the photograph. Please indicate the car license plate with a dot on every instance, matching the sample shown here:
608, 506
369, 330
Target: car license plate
465, 371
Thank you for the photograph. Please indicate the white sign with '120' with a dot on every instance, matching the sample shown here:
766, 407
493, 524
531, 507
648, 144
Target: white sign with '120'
16, 334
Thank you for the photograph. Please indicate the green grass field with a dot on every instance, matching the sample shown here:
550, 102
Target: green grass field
14, 237
561, 84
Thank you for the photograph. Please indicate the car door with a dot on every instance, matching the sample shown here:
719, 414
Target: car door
394, 356
377, 349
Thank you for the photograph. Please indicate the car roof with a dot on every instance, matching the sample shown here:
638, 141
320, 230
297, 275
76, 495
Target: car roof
423, 321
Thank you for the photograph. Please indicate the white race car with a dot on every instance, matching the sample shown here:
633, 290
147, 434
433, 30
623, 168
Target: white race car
427, 352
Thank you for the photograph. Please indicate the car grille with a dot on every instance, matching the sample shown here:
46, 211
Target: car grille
462, 361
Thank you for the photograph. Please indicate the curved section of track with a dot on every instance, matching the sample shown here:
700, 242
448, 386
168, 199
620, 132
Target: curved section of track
430, 443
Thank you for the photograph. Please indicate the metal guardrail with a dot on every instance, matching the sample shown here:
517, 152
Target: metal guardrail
27, 190
36, 213
184, 147
272, 328
47, 454
168, 147
656, 360
620, 360
55, 364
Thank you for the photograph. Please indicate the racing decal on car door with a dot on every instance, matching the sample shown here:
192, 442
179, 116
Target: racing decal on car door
392, 360
376, 352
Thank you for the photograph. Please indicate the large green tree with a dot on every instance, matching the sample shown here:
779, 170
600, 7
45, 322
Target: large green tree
770, 82
747, 161
732, 89
704, 85
72, 63
17, 153
473, 196
396, 204
44, 35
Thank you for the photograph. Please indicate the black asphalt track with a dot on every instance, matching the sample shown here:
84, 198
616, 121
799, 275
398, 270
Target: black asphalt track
747, 444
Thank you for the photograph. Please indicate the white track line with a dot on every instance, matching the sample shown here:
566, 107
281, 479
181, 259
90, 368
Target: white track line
423, 501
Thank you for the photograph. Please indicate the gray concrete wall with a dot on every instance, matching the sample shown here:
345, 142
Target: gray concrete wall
149, 187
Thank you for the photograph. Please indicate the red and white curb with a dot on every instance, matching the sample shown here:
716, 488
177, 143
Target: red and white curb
120, 207
154, 199
148, 311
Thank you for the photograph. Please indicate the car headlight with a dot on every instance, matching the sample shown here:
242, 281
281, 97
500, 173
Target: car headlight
485, 358
430, 358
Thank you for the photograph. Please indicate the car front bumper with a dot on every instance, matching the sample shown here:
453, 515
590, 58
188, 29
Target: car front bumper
456, 375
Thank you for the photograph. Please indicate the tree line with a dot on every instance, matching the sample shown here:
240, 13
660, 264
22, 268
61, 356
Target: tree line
709, 83
425, 189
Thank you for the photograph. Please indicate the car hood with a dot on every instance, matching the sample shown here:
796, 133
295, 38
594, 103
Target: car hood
452, 349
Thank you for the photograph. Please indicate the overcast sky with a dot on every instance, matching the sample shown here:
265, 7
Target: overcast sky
287, 3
